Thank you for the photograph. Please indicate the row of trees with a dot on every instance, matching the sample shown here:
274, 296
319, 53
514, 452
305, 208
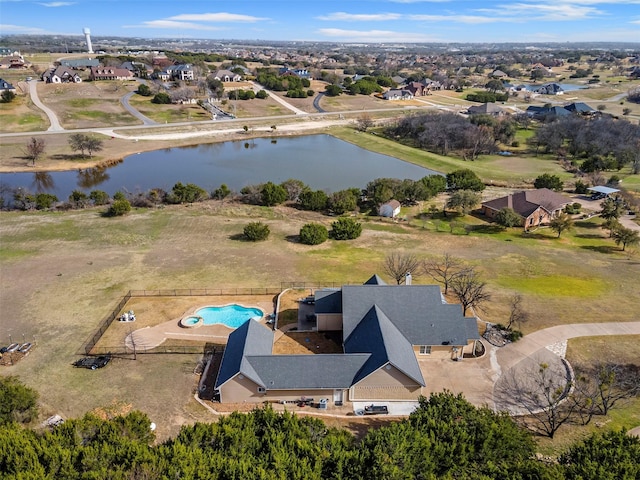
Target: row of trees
343, 228
598, 144
445, 437
444, 133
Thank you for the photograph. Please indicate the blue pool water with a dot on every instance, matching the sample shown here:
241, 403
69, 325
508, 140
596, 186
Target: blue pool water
230, 315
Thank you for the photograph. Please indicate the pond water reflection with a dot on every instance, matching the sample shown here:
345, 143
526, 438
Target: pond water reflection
320, 161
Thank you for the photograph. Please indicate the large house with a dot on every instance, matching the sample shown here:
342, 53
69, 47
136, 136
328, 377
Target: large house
227, 76
385, 330
61, 74
110, 73
536, 207
395, 94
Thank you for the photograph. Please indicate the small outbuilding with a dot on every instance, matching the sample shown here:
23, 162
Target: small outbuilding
390, 209
601, 191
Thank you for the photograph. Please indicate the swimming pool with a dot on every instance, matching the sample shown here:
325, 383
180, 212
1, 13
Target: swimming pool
230, 315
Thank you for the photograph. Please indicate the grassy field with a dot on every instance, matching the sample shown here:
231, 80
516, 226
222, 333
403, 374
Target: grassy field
63, 272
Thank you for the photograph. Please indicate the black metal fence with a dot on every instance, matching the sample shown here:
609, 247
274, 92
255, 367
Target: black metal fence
89, 347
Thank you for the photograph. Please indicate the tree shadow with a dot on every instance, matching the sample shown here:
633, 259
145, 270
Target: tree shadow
587, 225
239, 237
602, 248
292, 238
589, 235
537, 236
69, 157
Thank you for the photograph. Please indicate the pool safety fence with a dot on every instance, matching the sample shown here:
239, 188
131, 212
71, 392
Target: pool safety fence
88, 347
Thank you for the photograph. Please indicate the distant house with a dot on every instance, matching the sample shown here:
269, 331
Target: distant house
398, 79
576, 108
15, 62
6, 87
417, 89
227, 76
390, 209
163, 76
110, 73
549, 89
498, 74
61, 74
580, 108
297, 72
430, 85
385, 330
536, 207
487, 109
394, 94
181, 72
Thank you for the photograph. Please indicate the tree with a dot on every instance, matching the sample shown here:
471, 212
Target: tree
612, 455
78, 199
561, 222
611, 224
494, 85
546, 180
314, 200
626, 236
333, 90
221, 192
144, 90
119, 208
7, 96
294, 188
313, 234
188, 193
45, 200
537, 74
272, 194
443, 269
81, 142
17, 402
364, 122
161, 98
540, 391
342, 202
517, 315
469, 289
345, 229
98, 197
262, 94
611, 208
463, 200
398, 265
507, 217
464, 179
256, 231
34, 149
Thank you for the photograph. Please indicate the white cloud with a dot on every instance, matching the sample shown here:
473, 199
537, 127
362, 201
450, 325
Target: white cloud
472, 19
217, 17
556, 12
375, 36
363, 17
171, 24
637, 22
57, 4
5, 28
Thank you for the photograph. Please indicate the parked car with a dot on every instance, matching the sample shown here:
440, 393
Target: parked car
93, 362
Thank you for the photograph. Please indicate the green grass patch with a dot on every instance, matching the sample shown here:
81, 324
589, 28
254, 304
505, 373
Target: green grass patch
385, 227
341, 261
82, 102
8, 253
554, 285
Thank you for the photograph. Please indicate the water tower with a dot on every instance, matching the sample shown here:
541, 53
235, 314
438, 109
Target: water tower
87, 37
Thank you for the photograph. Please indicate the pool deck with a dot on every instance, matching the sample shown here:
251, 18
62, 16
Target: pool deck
148, 338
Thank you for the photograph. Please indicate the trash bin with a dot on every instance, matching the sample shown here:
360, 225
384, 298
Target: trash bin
322, 404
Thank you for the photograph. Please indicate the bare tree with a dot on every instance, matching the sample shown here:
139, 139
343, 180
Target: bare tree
443, 269
540, 392
364, 122
470, 290
397, 265
34, 149
517, 315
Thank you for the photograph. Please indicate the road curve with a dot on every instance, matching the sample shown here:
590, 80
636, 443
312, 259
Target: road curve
282, 102
53, 119
125, 103
316, 102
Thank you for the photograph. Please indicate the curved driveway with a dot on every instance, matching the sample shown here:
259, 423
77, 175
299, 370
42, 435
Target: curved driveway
282, 102
53, 119
125, 103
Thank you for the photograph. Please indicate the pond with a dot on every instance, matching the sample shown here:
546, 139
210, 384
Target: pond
321, 161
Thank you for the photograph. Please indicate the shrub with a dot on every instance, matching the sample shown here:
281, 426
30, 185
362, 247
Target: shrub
573, 208
313, 234
188, 193
514, 335
546, 180
221, 192
343, 201
119, 208
345, 229
7, 96
45, 200
78, 199
314, 200
256, 231
272, 194
262, 94
119, 196
98, 197
144, 90
161, 98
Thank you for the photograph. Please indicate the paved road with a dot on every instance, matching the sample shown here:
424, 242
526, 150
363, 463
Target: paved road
316, 102
282, 102
125, 103
53, 119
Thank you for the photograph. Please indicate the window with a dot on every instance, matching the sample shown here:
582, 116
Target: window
261, 390
425, 349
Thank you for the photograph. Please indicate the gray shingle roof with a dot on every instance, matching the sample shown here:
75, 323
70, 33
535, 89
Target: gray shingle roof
377, 334
293, 372
526, 202
328, 300
250, 338
375, 280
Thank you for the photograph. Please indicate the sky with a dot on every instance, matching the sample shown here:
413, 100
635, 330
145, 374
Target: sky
353, 21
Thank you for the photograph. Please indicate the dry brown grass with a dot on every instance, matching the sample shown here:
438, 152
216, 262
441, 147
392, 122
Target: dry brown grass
304, 343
